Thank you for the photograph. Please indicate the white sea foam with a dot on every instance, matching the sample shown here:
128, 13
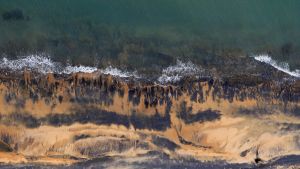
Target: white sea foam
117, 72
176, 72
44, 65
80, 68
32, 62
284, 67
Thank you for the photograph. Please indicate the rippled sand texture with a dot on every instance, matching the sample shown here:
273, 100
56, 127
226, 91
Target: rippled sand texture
63, 119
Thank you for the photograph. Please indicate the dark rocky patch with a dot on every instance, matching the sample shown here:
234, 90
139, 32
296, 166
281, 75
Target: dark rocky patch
20, 103
14, 15
101, 147
134, 96
9, 97
202, 116
28, 120
242, 80
6, 138
60, 99
156, 122
289, 126
256, 112
286, 160
186, 142
20, 118
81, 136
4, 147
88, 115
295, 112
164, 143
244, 153
92, 115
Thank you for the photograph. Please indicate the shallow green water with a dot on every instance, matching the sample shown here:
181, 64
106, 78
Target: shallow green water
115, 31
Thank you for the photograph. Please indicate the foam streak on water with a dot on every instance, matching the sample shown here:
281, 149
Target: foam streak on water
284, 67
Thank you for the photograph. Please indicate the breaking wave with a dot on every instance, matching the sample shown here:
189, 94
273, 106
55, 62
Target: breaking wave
32, 62
46, 65
80, 68
282, 66
117, 72
176, 72
171, 74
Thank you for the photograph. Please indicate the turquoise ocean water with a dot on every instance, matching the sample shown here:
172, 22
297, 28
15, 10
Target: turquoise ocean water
138, 32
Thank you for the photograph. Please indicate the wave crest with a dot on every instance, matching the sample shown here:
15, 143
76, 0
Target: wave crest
176, 72
80, 68
44, 64
117, 72
281, 66
31, 62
